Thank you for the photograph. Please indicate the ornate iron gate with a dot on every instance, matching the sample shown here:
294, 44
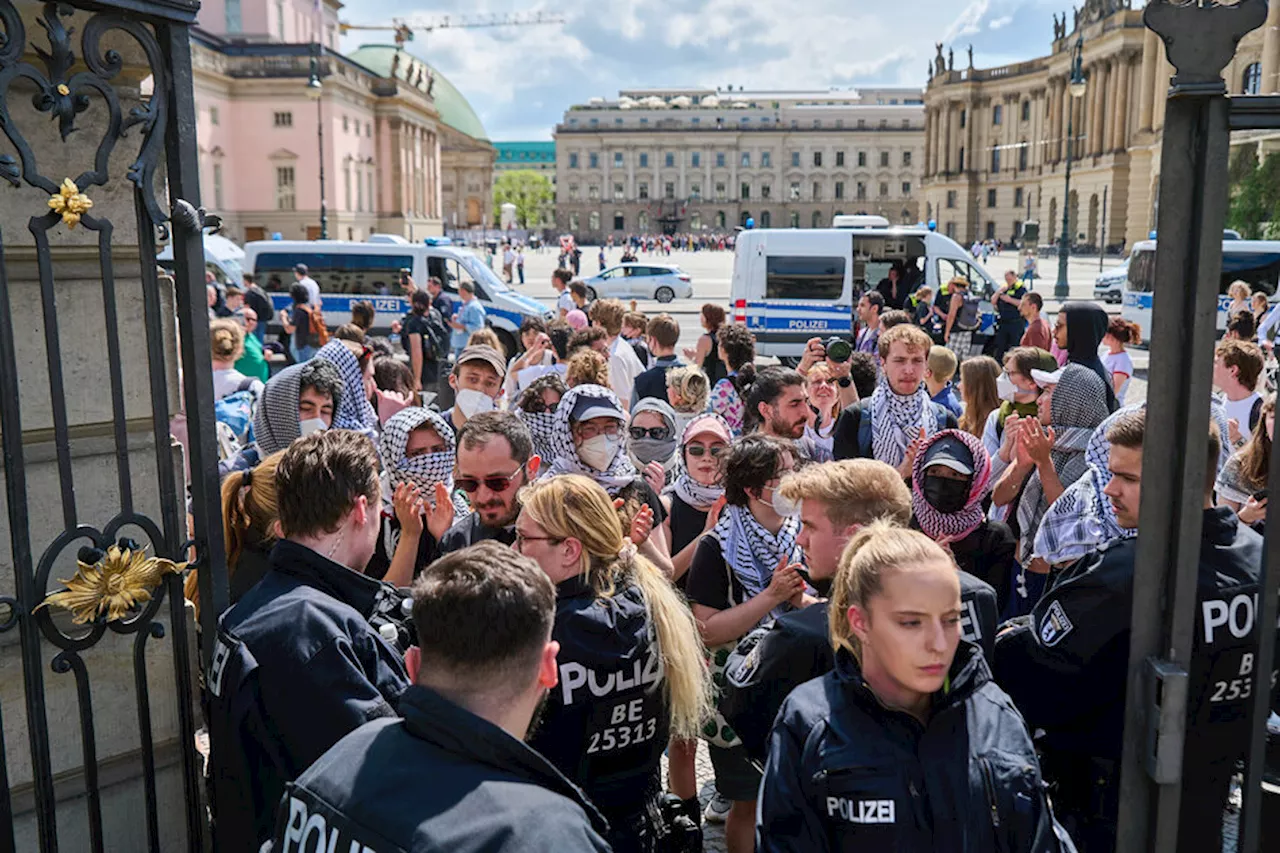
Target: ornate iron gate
87, 394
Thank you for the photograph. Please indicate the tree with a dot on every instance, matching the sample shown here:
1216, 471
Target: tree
1255, 194
529, 191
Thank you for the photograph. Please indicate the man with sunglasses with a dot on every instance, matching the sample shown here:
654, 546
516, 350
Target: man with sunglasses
495, 459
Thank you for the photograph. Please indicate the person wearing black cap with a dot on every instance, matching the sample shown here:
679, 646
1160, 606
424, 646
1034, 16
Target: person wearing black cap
476, 381
1079, 329
950, 480
303, 276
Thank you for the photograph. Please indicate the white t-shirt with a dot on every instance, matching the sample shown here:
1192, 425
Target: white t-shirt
564, 302
1240, 410
227, 382
1119, 362
313, 290
624, 367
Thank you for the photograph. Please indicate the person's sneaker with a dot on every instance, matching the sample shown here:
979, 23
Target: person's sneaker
717, 810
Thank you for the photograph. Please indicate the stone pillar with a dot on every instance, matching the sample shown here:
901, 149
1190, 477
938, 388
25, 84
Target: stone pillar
1054, 139
1147, 79
971, 136
928, 140
947, 142
682, 188
631, 173
1271, 50
1120, 137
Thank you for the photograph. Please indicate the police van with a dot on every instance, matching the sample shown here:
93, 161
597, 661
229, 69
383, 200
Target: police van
354, 272
790, 285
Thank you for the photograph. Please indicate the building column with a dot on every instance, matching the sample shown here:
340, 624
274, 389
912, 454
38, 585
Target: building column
682, 188
946, 148
1106, 106
1271, 51
631, 173
1164, 71
1147, 79
928, 139
1120, 139
971, 135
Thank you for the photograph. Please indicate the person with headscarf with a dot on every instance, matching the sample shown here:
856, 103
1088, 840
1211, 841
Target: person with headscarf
590, 423
652, 441
1079, 329
537, 408
419, 503
696, 495
1018, 393
951, 478
354, 412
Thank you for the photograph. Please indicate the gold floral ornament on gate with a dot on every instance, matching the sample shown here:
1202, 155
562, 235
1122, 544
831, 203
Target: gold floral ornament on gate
70, 202
120, 579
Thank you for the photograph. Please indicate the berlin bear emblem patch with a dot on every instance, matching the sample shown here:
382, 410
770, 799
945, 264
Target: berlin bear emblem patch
1054, 625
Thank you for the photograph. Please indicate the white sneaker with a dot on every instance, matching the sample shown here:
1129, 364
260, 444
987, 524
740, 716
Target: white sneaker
717, 810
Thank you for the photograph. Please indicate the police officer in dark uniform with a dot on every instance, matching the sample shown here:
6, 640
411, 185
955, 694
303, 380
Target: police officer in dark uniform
1010, 324
454, 774
908, 745
836, 500
297, 664
1067, 670
631, 664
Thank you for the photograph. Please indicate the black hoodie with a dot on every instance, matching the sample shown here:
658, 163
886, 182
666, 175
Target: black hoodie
1086, 324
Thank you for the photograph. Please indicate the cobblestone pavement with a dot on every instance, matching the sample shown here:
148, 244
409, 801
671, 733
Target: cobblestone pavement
712, 833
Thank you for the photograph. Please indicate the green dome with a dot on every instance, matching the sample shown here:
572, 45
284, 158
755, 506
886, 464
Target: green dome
450, 103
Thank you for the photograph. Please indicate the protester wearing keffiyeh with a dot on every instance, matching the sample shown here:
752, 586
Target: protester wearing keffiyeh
934, 521
897, 420
590, 399
428, 469
752, 552
354, 411
696, 494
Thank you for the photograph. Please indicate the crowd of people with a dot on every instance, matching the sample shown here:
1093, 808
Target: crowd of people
477, 596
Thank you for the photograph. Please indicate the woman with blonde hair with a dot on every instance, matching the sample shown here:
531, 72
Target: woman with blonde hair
226, 347
979, 391
1239, 292
586, 367
910, 715
824, 399
249, 527
688, 392
632, 669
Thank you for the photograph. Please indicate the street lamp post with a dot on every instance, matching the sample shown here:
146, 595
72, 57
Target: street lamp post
315, 90
1076, 88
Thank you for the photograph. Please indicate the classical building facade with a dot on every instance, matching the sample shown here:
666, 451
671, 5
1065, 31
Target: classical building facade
403, 151
996, 138
707, 160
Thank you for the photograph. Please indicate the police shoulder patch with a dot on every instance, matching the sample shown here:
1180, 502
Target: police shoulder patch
739, 671
1054, 625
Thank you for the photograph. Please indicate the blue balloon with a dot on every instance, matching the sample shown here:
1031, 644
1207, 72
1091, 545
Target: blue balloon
751, 223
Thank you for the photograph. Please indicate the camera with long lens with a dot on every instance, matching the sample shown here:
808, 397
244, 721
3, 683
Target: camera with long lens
838, 349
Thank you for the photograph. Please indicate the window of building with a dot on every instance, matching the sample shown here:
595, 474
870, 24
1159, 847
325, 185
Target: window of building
644, 160
233, 16
617, 159
573, 161
593, 193
766, 160
960, 160
669, 190
213, 116
1252, 81
817, 191
619, 193
595, 122
862, 191
573, 192
862, 124
951, 230
766, 219
794, 124
964, 117
817, 123
618, 222
643, 122
644, 189
795, 159
670, 160
795, 191
884, 189
795, 220
862, 159
906, 124
995, 160
815, 221
642, 222
991, 198
721, 193
346, 124
695, 222
1022, 157
368, 129
906, 158
803, 277
817, 158
286, 192
839, 158
906, 188
1026, 111
839, 123
593, 220
695, 121
884, 123
839, 189
746, 160
217, 186
991, 230
617, 122
951, 199
997, 114
744, 191
573, 222
743, 217
696, 159
721, 219
1017, 197
695, 191
280, 19
719, 159
884, 159
593, 160
765, 191
283, 119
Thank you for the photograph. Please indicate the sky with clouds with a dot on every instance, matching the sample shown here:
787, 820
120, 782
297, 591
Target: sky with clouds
520, 80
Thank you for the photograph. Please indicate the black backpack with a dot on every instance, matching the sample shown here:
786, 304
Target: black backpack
435, 343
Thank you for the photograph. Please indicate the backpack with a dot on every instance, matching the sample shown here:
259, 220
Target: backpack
863, 408
435, 344
1255, 415
967, 316
317, 331
234, 416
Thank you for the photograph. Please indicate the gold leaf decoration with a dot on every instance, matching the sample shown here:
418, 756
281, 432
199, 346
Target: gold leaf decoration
70, 202
113, 585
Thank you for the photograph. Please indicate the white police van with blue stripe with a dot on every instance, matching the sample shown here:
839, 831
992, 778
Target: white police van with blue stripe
355, 272
1255, 262
790, 285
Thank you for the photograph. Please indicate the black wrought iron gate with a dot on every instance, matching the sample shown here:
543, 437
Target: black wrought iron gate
97, 698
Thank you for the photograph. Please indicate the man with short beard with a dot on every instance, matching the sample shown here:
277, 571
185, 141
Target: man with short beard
778, 406
495, 460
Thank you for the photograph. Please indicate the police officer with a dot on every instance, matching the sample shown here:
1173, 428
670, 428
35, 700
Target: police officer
1010, 324
297, 664
1067, 670
454, 774
836, 501
632, 670
908, 745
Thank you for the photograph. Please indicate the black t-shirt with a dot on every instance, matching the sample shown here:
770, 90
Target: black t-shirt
1009, 313
385, 550
469, 531
302, 325
709, 581
990, 554
416, 324
687, 524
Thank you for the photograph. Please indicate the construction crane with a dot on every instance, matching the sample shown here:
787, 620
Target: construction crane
404, 28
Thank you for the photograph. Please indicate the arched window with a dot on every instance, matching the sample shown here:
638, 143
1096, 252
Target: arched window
816, 220
695, 222
766, 220
642, 222
1252, 82
795, 220
593, 221
742, 220
721, 219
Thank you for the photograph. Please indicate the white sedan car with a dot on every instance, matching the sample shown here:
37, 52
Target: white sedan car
663, 282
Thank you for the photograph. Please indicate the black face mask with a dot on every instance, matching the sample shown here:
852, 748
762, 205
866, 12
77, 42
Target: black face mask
946, 496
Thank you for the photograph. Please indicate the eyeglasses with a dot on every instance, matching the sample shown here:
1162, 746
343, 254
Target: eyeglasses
493, 484
521, 539
661, 433
538, 407
697, 450
586, 431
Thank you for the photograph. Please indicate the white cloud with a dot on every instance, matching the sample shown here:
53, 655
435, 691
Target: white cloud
1000, 23
969, 20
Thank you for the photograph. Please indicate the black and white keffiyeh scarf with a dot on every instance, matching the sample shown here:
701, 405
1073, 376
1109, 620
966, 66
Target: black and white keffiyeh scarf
752, 552
354, 411
684, 486
426, 470
896, 421
542, 426
620, 473
275, 423
1078, 406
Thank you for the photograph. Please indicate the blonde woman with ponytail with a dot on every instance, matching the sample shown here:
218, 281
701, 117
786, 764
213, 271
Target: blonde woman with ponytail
909, 735
632, 666
249, 527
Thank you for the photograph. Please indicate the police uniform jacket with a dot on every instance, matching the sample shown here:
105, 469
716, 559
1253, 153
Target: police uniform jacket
771, 662
296, 666
846, 773
607, 722
439, 779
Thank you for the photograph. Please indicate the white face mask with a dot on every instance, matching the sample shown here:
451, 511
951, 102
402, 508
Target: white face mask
311, 425
784, 506
599, 452
472, 403
1005, 388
